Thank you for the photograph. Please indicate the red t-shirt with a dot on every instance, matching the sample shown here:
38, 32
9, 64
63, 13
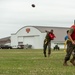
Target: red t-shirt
73, 34
52, 36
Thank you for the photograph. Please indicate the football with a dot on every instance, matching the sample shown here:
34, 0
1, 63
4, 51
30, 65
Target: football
33, 5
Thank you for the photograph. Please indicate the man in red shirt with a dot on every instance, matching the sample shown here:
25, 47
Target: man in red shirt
47, 42
70, 47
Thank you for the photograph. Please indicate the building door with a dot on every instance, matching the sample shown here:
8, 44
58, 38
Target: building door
29, 40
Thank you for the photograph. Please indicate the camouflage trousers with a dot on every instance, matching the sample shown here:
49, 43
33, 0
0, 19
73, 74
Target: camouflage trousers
70, 51
47, 44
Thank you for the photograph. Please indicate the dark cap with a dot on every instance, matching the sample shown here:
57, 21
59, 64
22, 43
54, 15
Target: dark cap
51, 30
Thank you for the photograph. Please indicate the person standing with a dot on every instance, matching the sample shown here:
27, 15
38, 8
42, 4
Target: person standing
66, 39
47, 42
70, 47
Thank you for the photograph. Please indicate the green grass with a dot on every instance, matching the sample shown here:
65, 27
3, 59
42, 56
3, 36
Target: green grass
32, 62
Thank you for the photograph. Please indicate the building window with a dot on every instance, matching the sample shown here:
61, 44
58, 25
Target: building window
20, 43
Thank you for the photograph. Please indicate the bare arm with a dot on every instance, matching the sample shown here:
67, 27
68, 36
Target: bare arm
47, 31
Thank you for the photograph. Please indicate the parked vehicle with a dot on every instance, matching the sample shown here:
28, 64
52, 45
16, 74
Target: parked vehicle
5, 47
18, 47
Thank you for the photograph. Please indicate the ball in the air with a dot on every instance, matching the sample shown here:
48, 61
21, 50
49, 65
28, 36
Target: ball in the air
33, 5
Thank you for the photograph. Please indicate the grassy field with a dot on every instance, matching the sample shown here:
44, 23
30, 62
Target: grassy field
32, 62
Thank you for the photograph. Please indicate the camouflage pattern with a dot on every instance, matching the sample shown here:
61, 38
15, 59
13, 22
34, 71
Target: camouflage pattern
70, 50
47, 42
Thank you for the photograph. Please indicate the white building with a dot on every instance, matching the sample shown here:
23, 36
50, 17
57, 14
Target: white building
34, 35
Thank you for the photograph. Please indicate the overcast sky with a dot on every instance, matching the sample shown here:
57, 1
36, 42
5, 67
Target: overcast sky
15, 14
